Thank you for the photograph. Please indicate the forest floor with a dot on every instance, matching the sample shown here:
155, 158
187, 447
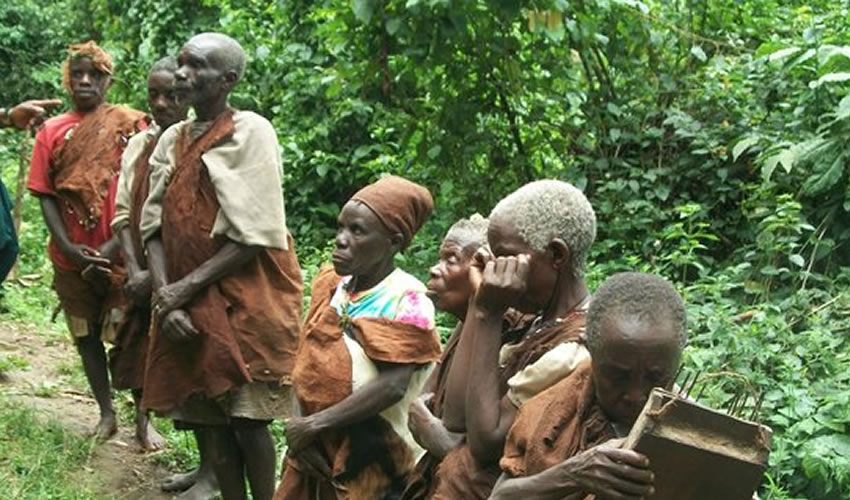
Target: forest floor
41, 372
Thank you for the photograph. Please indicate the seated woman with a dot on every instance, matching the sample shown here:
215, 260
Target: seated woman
450, 289
539, 236
560, 444
368, 345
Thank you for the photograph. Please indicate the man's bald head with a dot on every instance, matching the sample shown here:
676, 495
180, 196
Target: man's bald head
222, 52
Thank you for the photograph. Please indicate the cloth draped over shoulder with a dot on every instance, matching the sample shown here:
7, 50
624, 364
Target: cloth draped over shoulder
86, 164
460, 475
323, 378
555, 425
246, 173
128, 357
249, 320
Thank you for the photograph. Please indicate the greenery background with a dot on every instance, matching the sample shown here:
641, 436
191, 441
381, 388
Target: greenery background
710, 136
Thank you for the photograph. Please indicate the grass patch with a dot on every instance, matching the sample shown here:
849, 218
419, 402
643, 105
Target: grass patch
40, 459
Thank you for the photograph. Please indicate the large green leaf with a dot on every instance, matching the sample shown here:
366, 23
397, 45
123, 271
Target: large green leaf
364, 9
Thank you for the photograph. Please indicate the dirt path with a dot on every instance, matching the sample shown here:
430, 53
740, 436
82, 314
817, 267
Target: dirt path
50, 383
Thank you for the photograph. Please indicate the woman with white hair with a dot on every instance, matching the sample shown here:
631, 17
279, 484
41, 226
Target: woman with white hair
539, 238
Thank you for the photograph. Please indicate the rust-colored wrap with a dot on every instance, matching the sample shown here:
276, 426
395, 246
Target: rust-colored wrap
557, 424
460, 475
322, 378
128, 358
89, 161
248, 320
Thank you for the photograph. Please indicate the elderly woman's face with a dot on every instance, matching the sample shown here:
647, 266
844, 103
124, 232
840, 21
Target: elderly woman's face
506, 241
634, 356
363, 244
449, 287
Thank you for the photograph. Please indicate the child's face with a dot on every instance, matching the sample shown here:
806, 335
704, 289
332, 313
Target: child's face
634, 356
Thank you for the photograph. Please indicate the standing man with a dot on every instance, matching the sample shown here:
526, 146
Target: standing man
227, 284
75, 161
25, 114
127, 358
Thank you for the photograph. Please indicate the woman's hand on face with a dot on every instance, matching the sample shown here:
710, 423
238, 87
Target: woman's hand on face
503, 282
611, 472
300, 433
476, 267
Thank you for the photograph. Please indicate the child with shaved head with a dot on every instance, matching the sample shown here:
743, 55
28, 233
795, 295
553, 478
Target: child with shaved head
227, 285
560, 445
539, 237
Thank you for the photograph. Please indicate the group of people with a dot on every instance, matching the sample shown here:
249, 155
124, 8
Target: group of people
169, 241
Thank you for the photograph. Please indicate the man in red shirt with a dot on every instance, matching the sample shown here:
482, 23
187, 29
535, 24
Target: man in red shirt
75, 164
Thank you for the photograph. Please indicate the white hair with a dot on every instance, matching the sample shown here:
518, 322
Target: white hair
544, 210
471, 231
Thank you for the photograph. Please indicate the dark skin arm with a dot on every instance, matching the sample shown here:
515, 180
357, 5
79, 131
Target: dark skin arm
82, 255
138, 286
379, 394
605, 471
429, 430
171, 297
489, 416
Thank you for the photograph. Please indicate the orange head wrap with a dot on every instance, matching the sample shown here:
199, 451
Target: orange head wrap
99, 58
401, 205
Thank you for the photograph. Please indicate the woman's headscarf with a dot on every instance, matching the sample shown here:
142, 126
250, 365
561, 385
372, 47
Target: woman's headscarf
401, 205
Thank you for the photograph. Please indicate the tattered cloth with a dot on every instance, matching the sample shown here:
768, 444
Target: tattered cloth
460, 475
555, 425
88, 162
128, 358
401, 205
323, 377
249, 320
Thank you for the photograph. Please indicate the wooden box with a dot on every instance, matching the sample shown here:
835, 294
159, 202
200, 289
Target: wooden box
697, 453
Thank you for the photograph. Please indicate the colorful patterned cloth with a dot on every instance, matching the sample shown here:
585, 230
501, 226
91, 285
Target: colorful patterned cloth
398, 297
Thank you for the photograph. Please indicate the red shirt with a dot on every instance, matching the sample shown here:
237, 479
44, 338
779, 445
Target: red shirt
40, 183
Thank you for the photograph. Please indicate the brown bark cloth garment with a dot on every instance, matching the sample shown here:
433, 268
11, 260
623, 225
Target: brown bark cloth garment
460, 475
420, 484
323, 377
555, 425
85, 166
127, 359
248, 320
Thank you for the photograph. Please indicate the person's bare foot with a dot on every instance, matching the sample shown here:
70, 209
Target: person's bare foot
180, 482
106, 427
205, 488
148, 437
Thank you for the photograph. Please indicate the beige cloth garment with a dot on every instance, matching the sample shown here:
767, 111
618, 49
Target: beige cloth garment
363, 371
123, 200
547, 371
248, 191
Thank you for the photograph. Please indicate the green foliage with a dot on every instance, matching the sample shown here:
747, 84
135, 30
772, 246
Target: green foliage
40, 460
